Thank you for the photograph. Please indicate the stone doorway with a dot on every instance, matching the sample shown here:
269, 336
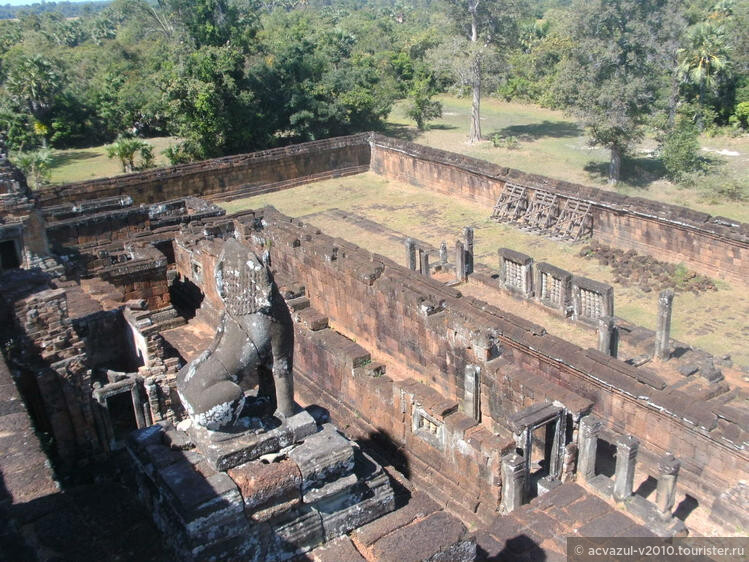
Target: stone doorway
540, 435
121, 415
9, 257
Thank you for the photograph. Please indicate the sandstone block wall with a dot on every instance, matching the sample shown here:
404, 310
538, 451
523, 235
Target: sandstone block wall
428, 332
710, 245
53, 355
317, 159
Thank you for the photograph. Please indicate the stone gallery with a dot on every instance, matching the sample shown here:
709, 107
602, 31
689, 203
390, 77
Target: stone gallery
182, 383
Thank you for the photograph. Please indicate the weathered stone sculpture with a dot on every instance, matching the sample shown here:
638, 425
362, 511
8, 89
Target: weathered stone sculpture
255, 330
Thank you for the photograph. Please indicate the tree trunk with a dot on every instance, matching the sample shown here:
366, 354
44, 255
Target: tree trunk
615, 165
673, 100
475, 133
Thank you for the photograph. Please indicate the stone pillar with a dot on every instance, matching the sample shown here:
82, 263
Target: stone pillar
460, 262
410, 254
606, 328
140, 419
590, 428
152, 392
443, 253
472, 392
557, 448
468, 242
626, 455
663, 329
424, 262
668, 470
513, 482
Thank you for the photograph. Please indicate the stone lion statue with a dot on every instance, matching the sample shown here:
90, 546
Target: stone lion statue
255, 331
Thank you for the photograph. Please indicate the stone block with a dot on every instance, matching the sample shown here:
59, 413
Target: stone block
323, 457
226, 450
440, 536
419, 506
296, 532
268, 488
338, 550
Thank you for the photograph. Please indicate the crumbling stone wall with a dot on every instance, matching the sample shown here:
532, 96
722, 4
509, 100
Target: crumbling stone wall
713, 246
48, 345
66, 234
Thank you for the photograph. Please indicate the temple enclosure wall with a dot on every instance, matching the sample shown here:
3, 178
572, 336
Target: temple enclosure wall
243, 175
430, 333
713, 246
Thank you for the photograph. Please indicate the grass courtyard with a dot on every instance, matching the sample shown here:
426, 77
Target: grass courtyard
552, 144
80, 164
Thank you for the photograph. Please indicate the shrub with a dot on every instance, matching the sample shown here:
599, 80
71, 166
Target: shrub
509, 142
36, 165
680, 150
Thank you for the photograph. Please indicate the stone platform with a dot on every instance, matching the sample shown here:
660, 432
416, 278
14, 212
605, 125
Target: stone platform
263, 493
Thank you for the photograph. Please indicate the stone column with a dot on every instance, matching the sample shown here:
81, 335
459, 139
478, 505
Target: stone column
152, 392
557, 448
140, 419
606, 329
472, 392
626, 455
460, 262
513, 482
424, 262
663, 329
668, 470
468, 241
410, 254
443, 253
590, 428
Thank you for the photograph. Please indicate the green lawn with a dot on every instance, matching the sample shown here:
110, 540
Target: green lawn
554, 145
78, 164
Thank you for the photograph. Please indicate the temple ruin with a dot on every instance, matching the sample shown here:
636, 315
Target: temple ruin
149, 338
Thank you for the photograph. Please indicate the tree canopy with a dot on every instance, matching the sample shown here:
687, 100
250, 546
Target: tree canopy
228, 76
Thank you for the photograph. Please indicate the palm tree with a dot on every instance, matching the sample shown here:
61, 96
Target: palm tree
36, 165
125, 149
705, 58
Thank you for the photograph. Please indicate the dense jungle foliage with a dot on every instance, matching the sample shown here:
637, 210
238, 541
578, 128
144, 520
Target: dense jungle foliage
229, 76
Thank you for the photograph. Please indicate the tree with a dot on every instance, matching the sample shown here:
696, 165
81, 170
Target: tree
680, 150
421, 106
482, 27
32, 84
125, 149
704, 59
36, 165
609, 77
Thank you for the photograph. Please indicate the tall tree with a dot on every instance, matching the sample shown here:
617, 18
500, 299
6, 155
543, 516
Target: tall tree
482, 27
609, 77
704, 59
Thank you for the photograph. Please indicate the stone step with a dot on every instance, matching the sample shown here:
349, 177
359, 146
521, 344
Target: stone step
323, 458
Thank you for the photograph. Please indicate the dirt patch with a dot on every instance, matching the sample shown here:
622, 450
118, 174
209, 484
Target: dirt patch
645, 272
